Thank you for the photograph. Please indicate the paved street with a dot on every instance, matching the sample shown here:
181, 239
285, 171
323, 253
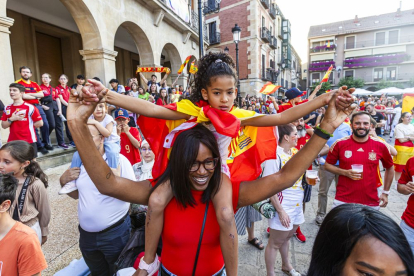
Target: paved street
62, 245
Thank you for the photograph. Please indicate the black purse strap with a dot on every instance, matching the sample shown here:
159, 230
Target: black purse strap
19, 207
201, 238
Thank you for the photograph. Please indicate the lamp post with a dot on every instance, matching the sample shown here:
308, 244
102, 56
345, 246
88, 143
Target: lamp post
236, 30
200, 30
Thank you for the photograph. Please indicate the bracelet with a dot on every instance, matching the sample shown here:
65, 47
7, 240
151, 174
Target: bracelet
10, 121
386, 192
322, 133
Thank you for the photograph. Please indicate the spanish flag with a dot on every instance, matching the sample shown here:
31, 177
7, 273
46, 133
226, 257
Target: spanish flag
329, 44
184, 65
269, 88
404, 152
407, 102
328, 73
193, 68
249, 148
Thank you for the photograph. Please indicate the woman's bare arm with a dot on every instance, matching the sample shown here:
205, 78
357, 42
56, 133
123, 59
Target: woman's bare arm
100, 173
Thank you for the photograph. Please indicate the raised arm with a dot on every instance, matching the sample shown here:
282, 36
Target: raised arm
312, 96
143, 78
342, 100
164, 79
97, 91
262, 188
100, 173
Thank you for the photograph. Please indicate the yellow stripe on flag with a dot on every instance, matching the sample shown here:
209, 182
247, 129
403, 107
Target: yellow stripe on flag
328, 73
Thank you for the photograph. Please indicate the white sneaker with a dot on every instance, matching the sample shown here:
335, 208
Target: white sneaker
68, 187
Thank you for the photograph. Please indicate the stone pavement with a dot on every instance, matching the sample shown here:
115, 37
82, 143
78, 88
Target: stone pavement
62, 245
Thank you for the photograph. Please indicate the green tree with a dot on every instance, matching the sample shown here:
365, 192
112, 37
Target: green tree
385, 84
351, 82
325, 86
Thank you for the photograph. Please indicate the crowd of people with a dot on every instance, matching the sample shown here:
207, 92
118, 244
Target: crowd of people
182, 154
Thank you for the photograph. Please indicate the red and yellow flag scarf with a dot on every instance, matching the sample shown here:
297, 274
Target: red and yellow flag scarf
405, 151
153, 70
250, 146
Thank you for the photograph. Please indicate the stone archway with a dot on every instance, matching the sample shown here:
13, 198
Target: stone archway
174, 56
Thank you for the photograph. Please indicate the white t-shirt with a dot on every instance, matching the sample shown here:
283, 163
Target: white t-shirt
134, 94
96, 211
292, 196
402, 131
114, 137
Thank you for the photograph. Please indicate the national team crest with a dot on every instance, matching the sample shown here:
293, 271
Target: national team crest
372, 156
348, 154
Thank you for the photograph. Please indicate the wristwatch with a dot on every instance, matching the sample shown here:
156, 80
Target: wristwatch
386, 192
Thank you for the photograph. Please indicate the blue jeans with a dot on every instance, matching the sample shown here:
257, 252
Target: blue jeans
112, 154
409, 234
44, 130
101, 250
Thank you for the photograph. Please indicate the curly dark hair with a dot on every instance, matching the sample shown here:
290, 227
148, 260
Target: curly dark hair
209, 68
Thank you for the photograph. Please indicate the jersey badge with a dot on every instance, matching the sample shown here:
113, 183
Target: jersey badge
348, 154
372, 156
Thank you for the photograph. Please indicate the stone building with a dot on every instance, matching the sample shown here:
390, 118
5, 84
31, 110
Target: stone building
373, 48
265, 42
103, 38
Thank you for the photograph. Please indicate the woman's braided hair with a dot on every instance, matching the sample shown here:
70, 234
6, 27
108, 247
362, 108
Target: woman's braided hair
210, 66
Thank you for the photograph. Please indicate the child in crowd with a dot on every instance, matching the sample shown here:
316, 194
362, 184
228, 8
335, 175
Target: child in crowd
22, 118
130, 137
107, 128
32, 206
214, 94
20, 251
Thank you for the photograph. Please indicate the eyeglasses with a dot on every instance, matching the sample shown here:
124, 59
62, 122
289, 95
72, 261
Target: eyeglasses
209, 164
146, 149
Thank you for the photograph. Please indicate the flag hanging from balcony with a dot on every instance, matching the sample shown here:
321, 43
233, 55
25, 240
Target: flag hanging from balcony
269, 88
329, 44
328, 73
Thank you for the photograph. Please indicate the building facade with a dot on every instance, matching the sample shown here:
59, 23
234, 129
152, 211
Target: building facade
103, 38
374, 49
265, 51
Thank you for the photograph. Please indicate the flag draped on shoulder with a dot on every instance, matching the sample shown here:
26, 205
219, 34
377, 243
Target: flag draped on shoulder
269, 88
250, 146
328, 73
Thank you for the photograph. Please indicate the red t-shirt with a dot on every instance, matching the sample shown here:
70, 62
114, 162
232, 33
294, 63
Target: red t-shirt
302, 141
31, 87
127, 149
407, 176
181, 234
65, 92
288, 105
46, 91
24, 129
159, 102
369, 153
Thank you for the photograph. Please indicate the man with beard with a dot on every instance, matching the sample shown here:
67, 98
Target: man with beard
355, 186
378, 117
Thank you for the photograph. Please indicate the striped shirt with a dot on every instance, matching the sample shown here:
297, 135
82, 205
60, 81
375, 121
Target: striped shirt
30, 87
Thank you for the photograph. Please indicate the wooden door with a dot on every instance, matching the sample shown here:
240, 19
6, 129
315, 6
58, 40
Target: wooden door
49, 54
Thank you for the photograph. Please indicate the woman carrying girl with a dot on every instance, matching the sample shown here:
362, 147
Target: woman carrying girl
213, 94
31, 206
106, 126
53, 109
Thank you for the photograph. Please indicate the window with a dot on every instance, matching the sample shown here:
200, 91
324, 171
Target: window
391, 73
282, 81
378, 74
350, 42
393, 36
271, 30
349, 74
263, 22
294, 65
379, 38
263, 66
316, 77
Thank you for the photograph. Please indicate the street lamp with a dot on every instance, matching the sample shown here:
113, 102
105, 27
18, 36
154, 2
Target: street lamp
226, 50
236, 30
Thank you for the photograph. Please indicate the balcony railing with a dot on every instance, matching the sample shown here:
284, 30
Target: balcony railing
214, 38
265, 34
323, 48
210, 6
272, 11
265, 3
373, 43
273, 42
369, 78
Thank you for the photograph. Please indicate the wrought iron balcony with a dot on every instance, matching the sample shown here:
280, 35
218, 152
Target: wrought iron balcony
265, 35
214, 38
273, 42
272, 11
265, 3
210, 6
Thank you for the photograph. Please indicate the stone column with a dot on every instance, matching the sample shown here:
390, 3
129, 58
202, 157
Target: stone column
99, 63
6, 62
6, 66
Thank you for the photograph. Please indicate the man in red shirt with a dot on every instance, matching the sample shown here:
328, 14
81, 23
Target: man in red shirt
354, 186
294, 96
22, 118
130, 137
406, 187
32, 94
